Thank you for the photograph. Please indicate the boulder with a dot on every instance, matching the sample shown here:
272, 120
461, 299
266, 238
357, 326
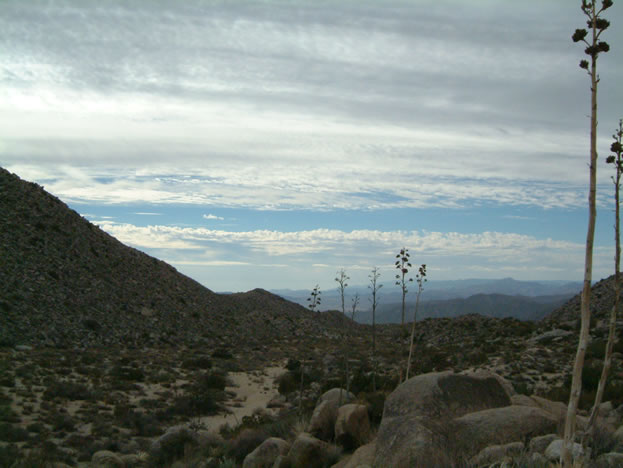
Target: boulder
363, 456
352, 426
282, 462
338, 395
608, 416
618, 436
266, 453
523, 400
131, 460
612, 459
555, 408
554, 449
421, 409
106, 459
540, 443
502, 425
309, 452
497, 453
538, 459
322, 422
175, 436
479, 373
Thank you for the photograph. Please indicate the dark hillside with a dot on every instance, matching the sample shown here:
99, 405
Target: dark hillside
64, 281
602, 299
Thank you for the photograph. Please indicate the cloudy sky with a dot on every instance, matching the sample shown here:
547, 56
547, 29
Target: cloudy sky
269, 143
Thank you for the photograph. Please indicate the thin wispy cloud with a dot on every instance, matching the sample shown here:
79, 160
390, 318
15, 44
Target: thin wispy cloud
486, 253
211, 217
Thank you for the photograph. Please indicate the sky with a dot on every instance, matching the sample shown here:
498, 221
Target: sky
270, 143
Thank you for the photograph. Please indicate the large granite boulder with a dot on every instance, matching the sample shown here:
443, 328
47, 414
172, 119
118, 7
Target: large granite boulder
554, 450
322, 422
337, 395
266, 453
309, 452
363, 456
420, 412
502, 425
352, 426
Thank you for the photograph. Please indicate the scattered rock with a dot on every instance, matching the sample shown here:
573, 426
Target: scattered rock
554, 449
497, 453
540, 443
550, 335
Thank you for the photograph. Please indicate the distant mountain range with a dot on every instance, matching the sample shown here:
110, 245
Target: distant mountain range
525, 300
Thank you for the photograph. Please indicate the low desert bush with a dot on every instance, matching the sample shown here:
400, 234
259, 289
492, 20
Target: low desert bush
222, 353
11, 433
127, 373
67, 390
288, 383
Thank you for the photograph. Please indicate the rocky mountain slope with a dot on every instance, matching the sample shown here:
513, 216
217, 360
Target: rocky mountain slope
64, 281
602, 299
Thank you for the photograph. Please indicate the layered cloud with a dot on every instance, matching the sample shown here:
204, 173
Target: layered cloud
296, 254
316, 107
300, 104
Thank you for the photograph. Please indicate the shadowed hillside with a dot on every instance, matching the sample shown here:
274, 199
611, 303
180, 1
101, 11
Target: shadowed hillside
64, 281
602, 299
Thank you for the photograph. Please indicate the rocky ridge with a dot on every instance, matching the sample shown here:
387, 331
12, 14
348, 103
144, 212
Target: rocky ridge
65, 282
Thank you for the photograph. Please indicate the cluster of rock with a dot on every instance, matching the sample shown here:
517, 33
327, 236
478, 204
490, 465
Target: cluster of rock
436, 419
439, 419
443, 418
335, 418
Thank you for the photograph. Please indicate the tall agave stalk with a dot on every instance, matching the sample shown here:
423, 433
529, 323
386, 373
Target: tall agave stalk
421, 279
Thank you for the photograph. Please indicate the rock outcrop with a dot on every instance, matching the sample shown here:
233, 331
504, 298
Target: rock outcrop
423, 408
502, 425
